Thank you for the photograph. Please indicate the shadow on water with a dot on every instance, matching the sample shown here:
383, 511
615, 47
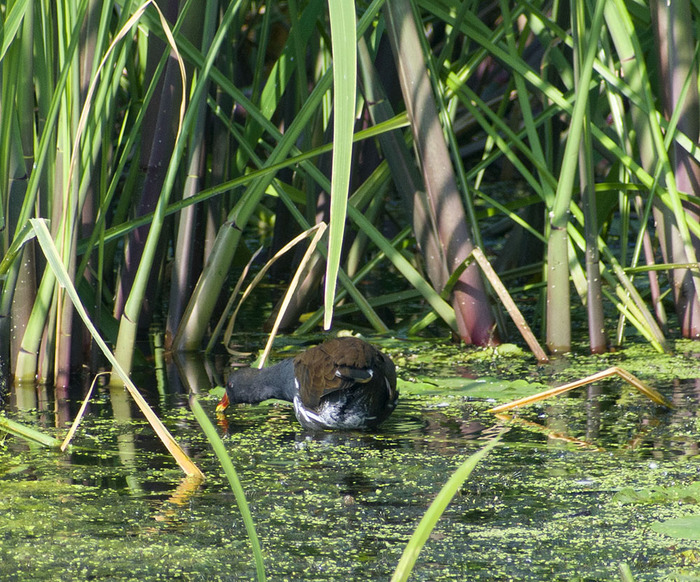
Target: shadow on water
341, 506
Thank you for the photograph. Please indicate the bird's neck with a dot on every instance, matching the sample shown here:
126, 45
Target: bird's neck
253, 385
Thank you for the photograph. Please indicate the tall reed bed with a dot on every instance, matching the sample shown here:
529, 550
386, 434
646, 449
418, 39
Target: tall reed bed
162, 141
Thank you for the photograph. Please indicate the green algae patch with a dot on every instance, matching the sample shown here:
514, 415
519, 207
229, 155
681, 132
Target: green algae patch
54, 526
334, 506
688, 494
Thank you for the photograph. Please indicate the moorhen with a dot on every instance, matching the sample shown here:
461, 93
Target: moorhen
344, 383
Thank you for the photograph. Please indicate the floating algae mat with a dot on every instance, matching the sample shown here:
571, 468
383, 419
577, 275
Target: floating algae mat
609, 480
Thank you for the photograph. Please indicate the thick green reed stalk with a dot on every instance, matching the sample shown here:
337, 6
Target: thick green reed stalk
558, 306
594, 294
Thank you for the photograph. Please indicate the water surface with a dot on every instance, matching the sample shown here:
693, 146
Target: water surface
544, 505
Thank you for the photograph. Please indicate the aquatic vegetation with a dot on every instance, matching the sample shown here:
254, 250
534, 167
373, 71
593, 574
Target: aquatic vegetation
336, 505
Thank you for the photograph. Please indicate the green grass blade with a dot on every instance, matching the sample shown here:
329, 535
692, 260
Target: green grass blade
12, 23
230, 471
343, 35
436, 509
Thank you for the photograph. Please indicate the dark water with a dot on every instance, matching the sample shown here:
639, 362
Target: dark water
342, 506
